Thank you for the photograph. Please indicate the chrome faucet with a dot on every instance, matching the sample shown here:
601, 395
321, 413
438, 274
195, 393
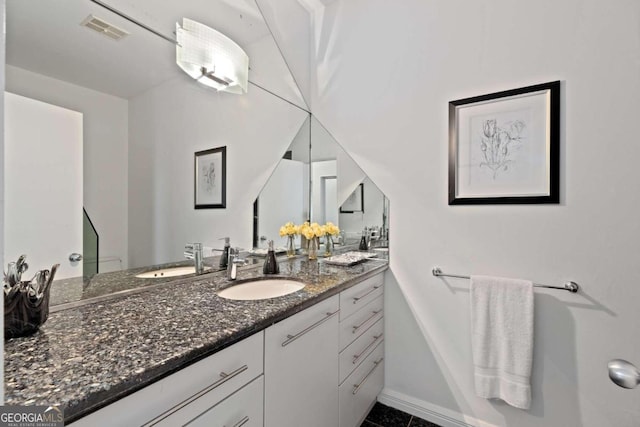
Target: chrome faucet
234, 261
194, 251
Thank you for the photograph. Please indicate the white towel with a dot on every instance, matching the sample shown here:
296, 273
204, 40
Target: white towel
502, 338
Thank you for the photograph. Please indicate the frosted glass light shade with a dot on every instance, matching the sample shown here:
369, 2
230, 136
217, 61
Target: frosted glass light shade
211, 58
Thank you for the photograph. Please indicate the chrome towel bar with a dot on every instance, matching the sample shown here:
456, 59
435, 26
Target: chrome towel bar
568, 286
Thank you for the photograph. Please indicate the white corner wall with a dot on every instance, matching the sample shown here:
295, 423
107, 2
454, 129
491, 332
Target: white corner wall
385, 77
2, 73
167, 125
105, 151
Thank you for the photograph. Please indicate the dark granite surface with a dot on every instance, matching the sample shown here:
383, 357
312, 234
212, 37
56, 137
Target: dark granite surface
386, 416
75, 289
88, 356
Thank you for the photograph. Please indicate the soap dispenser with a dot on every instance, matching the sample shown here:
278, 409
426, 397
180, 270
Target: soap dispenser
363, 241
270, 263
224, 258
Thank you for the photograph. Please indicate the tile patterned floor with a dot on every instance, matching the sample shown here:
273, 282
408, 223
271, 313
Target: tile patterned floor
385, 416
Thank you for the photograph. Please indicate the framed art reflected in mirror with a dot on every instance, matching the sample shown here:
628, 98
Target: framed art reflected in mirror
210, 182
355, 201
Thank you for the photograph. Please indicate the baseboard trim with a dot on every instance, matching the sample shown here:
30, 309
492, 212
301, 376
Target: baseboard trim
428, 411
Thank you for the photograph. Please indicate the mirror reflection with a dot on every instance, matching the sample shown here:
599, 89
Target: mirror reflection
337, 191
136, 121
285, 196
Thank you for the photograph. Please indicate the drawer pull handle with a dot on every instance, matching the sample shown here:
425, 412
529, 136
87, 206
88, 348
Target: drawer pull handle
356, 357
375, 313
224, 377
356, 387
241, 422
292, 338
356, 299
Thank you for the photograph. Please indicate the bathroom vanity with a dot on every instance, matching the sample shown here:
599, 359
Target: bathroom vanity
177, 354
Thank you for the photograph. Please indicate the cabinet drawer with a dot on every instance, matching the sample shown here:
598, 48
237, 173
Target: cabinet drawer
359, 391
210, 379
354, 298
243, 408
357, 351
354, 326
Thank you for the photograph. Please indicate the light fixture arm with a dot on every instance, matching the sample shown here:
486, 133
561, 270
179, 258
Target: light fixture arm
211, 75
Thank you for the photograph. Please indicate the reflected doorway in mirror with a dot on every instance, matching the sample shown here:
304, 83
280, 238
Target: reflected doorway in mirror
210, 178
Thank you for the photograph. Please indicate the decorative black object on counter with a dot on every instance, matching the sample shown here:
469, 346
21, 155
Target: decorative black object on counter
364, 244
224, 258
271, 263
26, 303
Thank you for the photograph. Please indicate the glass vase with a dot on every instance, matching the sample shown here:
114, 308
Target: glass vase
312, 250
328, 246
291, 246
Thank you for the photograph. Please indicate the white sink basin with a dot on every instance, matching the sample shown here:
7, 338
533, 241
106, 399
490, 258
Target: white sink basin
169, 272
261, 289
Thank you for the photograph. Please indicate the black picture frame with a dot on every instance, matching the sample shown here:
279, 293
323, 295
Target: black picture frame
355, 205
210, 178
481, 129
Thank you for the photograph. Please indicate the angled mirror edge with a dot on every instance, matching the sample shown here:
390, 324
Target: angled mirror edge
284, 58
385, 208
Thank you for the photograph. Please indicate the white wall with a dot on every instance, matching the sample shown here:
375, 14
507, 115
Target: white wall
281, 201
44, 184
2, 72
105, 151
319, 170
167, 125
392, 72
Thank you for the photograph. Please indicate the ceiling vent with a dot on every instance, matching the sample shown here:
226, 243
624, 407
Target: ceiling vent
104, 28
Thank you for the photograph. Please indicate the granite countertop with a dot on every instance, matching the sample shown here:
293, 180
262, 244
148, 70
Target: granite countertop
66, 292
87, 356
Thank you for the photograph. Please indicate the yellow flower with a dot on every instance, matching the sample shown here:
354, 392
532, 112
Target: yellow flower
317, 230
289, 229
305, 230
331, 229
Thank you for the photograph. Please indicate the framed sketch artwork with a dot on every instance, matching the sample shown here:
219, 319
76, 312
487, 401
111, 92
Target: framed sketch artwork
355, 201
504, 147
211, 178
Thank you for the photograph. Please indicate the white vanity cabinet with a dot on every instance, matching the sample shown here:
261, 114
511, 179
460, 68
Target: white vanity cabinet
231, 379
321, 367
361, 375
301, 368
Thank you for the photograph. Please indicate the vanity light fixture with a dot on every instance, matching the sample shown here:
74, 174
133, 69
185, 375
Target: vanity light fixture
211, 58
205, 54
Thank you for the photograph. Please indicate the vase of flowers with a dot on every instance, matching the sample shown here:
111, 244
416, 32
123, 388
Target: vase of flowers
290, 230
330, 230
312, 232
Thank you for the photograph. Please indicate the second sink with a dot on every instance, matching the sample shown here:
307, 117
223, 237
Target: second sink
261, 289
169, 272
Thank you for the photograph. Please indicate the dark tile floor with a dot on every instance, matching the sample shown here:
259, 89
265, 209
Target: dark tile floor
384, 416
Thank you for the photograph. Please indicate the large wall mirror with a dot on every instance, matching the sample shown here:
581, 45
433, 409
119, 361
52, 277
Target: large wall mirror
133, 121
334, 189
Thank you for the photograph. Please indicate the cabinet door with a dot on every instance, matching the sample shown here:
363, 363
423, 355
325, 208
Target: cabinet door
301, 368
243, 408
